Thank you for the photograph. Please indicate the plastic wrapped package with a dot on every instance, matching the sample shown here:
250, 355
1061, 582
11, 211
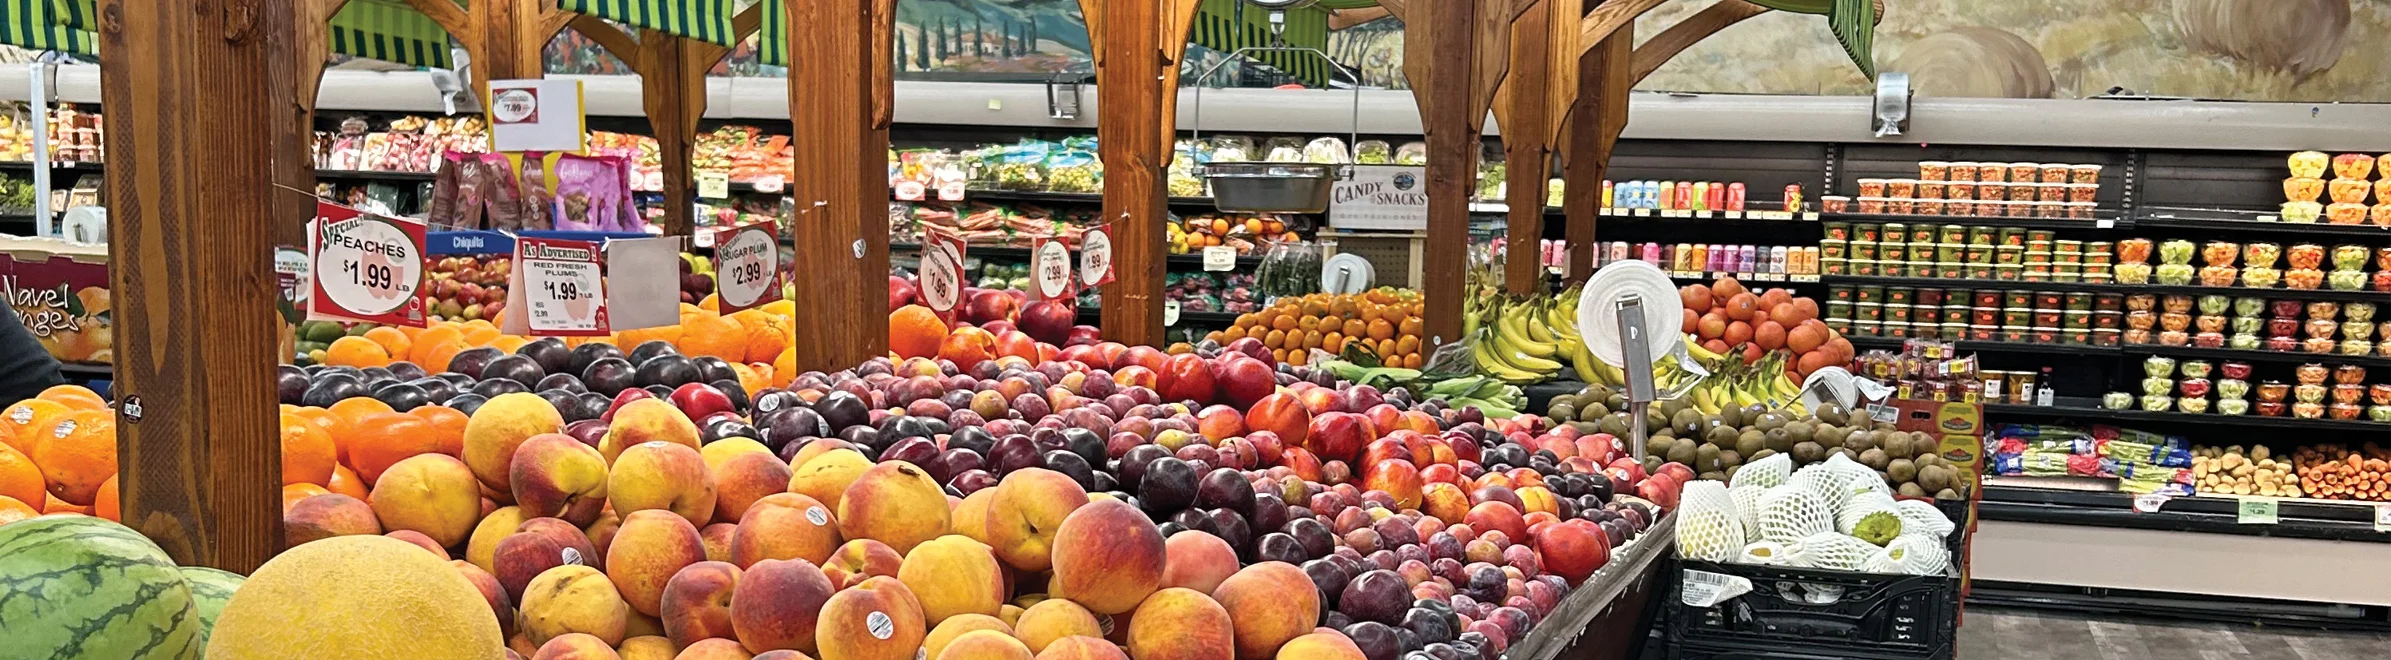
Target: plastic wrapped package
1412, 153
1074, 171
592, 194
1327, 151
1232, 149
1181, 175
1373, 152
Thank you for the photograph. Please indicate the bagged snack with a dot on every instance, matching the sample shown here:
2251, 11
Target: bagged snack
1232, 149
1412, 153
590, 194
1327, 151
1373, 152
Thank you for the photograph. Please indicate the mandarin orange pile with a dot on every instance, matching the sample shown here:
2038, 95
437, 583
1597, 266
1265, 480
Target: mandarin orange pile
1385, 322
57, 455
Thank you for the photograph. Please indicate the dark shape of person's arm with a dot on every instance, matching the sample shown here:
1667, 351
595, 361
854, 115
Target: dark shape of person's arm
26, 368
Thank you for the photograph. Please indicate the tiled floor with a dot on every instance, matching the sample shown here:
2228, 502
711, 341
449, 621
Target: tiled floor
2006, 634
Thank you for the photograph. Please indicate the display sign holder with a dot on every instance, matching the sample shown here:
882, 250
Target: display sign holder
1050, 271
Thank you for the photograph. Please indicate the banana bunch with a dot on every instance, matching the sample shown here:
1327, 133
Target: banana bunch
1736, 385
1490, 394
1520, 342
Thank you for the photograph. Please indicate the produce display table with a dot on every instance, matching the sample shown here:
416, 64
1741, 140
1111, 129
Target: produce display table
1608, 616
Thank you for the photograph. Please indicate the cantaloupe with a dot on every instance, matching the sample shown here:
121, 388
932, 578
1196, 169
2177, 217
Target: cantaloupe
358, 598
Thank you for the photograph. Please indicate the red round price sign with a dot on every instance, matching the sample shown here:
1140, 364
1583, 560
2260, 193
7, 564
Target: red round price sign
942, 276
370, 267
1095, 257
748, 266
1053, 270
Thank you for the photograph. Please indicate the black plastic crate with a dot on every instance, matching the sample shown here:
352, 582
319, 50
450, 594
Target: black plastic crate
1833, 614
1772, 651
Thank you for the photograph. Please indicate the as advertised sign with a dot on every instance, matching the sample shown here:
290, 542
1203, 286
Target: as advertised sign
1095, 257
367, 267
1381, 197
747, 266
563, 284
1050, 270
942, 272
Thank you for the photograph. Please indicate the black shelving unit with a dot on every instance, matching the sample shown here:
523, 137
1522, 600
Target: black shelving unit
2207, 514
2250, 221
2109, 222
2081, 350
1944, 283
2233, 355
2086, 411
375, 175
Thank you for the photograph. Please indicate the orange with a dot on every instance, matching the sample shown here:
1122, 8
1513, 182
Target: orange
670, 334
709, 334
712, 303
479, 332
1382, 330
344, 482
448, 426
766, 334
21, 423
356, 352
20, 478
51, 504
78, 454
12, 510
397, 343
753, 378
323, 419
74, 396
784, 368
508, 343
350, 410
379, 440
308, 453
915, 331
433, 337
105, 505
437, 357
291, 494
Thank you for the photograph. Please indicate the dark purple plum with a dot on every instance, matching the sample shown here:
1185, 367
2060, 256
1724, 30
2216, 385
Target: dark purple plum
1194, 519
290, 384
918, 451
406, 371
470, 361
1376, 639
467, 403
1231, 526
1169, 484
609, 376
496, 386
566, 382
1269, 514
710, 369
669, 371
843, 409
1315, 536
651, 349
549, 352
952, 462
1280, 546
587, 354
1378, 596
403, 397
1134, 463
1225, 488
730, 428
1014, 452
559, 399
1073, 466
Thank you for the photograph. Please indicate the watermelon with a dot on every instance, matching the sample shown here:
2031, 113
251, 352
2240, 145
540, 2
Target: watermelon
210, 588
76, 586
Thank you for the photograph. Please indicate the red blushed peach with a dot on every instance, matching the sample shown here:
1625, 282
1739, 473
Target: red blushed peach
1573, 551
1081, 648
647, 420
777, 605
651, 547
1419, 422
1053, 619
1181, 624
1386, 417
718, 540
521, 557
495, 525
567, 538
1397, 477
500, 604
894, 503
985, 645
1220, 423
601, 534
1269, 603
971, 514
715, 649
1108, 557
859, 560
785, 526
1282, 414
878, 619
1137, 375
697, 602
576, 646
1324, 645
553, 474
648, 648
326, 516
1197, 560
1022, 518
662, 475
420, 541
953, 575
745, 478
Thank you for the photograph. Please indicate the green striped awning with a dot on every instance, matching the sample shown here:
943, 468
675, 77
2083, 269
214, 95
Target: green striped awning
704, 20
1217, 26
772, 35
390, 31
40, 25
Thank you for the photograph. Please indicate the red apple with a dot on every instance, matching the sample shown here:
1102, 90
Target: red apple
900, 292
622, 398
989, 305
1397, 477
1082, 335
699, 400
1282, 414
1338, 436
1049, 321
1144, 356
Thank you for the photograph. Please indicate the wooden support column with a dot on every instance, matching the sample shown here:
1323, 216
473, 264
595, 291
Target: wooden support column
1138, 45
197, 453
1600, 112
1520, 108
672, 79
1455, 55
503, 37
298, 70
841, 140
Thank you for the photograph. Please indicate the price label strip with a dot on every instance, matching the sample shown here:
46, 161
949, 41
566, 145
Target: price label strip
1220, 258
367, 268
2256, 511
747, 265
713, 185
1051, 270
1095, 257
564, 286
942, 272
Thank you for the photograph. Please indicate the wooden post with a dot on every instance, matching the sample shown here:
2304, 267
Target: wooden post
672, 78
298, 69
1467, 43
197, 455
1520, 107
1600, 112
1137, 51
502, 37
842, 191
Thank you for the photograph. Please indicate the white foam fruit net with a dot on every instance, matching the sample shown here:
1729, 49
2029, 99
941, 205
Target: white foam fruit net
1834, 551
1861, 506
1920, 517
1853, 479
1747, 508
1766, 473
1816, 480
1791, 513
1912, 554
1766, 553
1707, 528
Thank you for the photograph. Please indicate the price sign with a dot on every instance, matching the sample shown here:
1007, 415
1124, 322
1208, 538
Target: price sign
713, 185
2150, 502
942, 272
1095, 256
1170, 313
2382, 517
540, 114
564, 287
1220, 257
290, 270
911, 191
369, 268
769, 184
951, 191
1051, 270
2256, 511
747, 265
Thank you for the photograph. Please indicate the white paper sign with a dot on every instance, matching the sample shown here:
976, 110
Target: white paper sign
541, 114
563, 286
1220, 257
1052, 270
713, 185
369, 268
1095, 257
747, 266
1170, 312
1381, 197
643, 287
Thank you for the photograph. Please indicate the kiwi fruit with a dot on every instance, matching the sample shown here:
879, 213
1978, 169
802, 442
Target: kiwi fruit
1846, 452
1808, 452
1909, 489
1901, 470
1751, 442
1898, 445
1721, 435
1924, 460
1713, 475
1874, 458
1946, 494
1682, 452
1616, 402
1770, 420
1731, 470
1658, 445
1672, 406
1830, 435
1687, 421
1731, 417
1801, 431
1592, 410
1706, 458
1653, 419
1730, 457
1562, 410
1585, 427
1764, 453
1934, 478
1616, 424
1652, 464
1924, 444
1861, 441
